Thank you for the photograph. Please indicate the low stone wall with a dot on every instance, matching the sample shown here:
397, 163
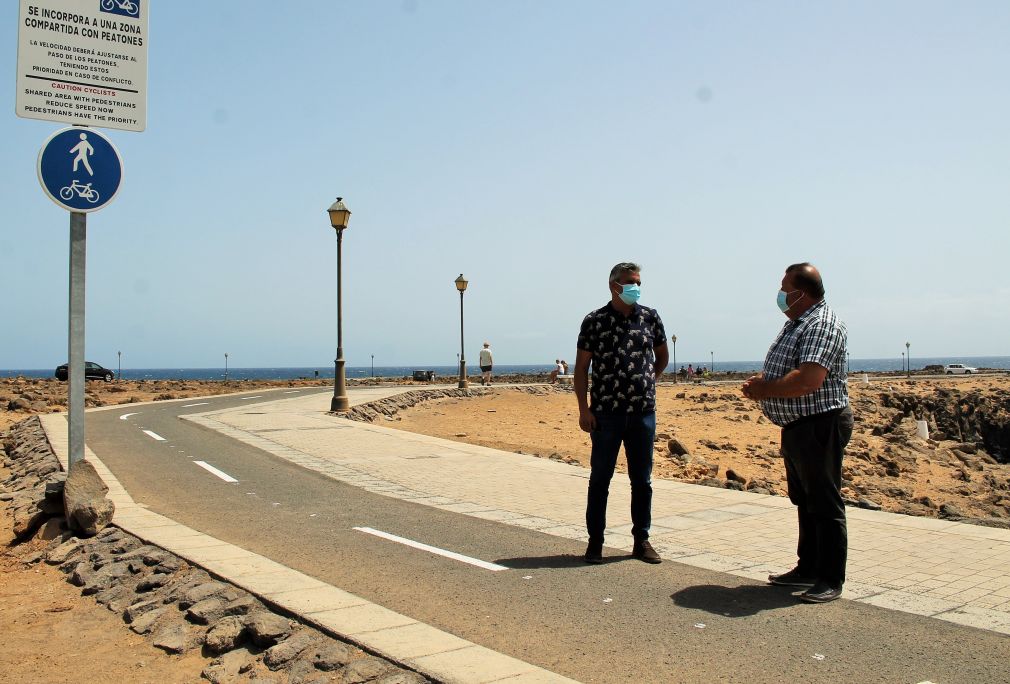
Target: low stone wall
386, 409
178, 607
34, 486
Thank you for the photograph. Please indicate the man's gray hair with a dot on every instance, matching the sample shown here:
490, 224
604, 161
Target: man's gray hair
623, 268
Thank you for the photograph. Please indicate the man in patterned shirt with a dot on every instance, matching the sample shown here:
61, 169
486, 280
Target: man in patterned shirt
626, 345
802, 388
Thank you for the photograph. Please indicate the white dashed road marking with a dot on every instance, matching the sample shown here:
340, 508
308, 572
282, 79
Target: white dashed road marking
202, 403
256, 397
127, 415
154, 435
433, 549
214, 471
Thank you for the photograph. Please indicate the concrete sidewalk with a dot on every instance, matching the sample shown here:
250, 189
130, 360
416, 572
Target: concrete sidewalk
946, 570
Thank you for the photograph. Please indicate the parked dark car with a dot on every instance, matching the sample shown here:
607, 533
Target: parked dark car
92, 371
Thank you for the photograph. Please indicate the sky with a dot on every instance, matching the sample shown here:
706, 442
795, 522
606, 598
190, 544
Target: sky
530, 146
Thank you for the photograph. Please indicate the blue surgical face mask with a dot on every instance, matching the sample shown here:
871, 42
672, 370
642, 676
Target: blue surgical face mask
781, 300
630, 293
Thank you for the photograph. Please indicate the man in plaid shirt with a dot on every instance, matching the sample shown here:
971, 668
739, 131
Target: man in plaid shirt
802, 388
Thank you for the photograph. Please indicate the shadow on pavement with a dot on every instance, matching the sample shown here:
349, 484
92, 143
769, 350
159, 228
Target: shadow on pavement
566, 560
734, 601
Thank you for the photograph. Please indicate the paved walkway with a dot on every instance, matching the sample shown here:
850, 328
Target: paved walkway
947, 570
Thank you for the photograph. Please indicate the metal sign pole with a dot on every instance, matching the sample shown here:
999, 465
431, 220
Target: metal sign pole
75, 343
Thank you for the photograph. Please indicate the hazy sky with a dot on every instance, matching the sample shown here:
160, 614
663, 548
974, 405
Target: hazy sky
529, 145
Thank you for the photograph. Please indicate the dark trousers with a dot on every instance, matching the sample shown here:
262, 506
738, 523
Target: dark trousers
638, 433
813, 448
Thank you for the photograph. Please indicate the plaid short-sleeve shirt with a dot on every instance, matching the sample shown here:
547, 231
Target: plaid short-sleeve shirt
624, 358
815, 337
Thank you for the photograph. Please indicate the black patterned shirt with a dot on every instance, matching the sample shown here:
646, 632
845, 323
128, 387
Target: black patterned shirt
817, 336
624, 358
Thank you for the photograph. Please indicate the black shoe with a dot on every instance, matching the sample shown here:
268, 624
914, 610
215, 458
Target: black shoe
793, 578
643, 551
822, 592
594, 553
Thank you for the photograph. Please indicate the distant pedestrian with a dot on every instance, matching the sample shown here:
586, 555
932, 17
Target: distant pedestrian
486, 362
626, 345
690, 372
802, 388
558, 370
564, 367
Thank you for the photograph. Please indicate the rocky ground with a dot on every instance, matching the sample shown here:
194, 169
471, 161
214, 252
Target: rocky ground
710, 434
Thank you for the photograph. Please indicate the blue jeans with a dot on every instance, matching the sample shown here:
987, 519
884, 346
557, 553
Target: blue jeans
638, 433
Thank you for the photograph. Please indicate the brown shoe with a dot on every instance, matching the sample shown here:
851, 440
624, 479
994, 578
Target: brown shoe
643, 551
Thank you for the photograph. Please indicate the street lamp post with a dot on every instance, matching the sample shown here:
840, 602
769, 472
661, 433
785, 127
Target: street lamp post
226, 366
372, 374
903, 366
120, 355
848, 363
461, 283
908, 356
673, 338
339, 216
711, 368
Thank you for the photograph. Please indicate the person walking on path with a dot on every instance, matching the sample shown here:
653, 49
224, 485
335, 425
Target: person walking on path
802, 388
486, 362
626, 344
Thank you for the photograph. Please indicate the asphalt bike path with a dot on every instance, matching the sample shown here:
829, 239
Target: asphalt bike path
622, 621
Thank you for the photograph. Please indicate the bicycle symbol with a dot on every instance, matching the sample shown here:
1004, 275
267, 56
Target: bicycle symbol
127, 6
82, 190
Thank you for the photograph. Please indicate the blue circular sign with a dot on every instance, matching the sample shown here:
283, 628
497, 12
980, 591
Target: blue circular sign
80, 169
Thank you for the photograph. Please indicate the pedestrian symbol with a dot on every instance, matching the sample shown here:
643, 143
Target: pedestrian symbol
80, 170
83, 150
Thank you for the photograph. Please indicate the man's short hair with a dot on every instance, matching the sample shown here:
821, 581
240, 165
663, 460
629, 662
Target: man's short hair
624, 268
807, 279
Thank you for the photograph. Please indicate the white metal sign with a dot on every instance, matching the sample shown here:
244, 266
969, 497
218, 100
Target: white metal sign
83, 62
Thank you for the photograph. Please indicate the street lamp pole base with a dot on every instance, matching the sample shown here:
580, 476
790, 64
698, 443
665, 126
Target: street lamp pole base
340, 401
463, 382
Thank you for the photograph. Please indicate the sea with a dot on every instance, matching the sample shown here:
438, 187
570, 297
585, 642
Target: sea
855, 366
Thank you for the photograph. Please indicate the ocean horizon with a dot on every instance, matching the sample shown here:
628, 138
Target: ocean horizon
327, 371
